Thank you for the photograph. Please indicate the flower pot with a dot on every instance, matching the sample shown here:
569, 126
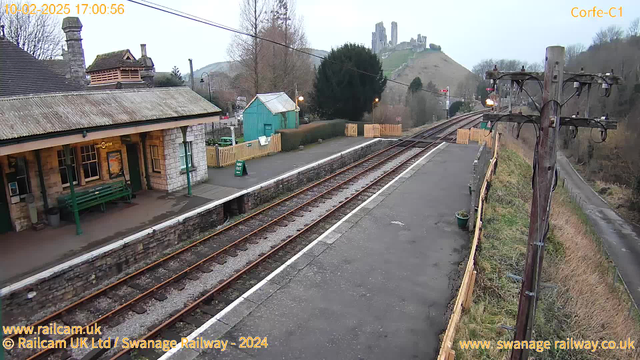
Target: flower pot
462, 221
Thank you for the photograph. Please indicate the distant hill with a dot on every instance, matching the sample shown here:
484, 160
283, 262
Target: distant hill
314, 60
230, 69
429, 65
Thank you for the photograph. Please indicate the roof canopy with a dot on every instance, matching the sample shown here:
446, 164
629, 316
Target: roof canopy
115, 60
26, 116
276, 102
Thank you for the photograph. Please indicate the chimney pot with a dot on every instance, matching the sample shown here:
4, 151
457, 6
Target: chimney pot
143, 50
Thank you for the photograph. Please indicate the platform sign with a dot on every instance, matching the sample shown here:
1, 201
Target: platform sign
241, 168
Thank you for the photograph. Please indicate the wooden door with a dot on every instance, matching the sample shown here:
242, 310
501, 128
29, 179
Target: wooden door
133, 161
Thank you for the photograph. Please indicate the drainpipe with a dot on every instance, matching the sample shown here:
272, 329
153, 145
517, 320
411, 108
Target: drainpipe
186, 157
43, 189
147, 177
74, 204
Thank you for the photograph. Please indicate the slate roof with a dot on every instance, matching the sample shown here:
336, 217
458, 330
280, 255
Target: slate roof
59, 66
21, 73
25, 116
113, 60
276, 102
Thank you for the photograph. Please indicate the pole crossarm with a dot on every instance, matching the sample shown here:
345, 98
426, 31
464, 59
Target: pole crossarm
581, 77
564, 120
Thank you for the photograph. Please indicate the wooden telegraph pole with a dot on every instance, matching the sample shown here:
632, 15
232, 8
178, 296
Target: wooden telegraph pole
545, 174
543, 184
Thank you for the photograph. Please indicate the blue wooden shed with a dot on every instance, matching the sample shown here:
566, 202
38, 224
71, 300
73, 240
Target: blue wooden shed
267, 113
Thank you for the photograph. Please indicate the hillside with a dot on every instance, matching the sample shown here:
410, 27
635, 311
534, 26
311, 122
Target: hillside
429, 65
228, 68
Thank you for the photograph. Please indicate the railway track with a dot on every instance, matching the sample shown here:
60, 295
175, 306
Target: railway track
268, 237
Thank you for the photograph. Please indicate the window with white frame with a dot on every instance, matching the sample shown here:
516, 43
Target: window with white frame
64, 177
22, 177
189, 156
155, 158
90, 167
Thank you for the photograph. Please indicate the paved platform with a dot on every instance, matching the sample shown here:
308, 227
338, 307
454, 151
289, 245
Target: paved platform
375, 286
620, 238
30, 252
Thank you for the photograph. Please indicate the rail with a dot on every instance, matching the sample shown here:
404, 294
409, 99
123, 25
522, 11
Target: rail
460, 121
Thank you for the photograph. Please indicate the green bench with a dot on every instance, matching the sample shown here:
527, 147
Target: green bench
98, 195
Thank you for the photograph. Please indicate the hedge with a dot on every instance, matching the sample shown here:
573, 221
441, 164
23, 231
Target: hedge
310, 133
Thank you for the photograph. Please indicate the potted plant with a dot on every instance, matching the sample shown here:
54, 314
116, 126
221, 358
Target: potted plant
463, 218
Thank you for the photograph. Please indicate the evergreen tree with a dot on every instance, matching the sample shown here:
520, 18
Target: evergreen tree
341, 91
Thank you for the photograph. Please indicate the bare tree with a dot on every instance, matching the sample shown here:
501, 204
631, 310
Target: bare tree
634, 28
571, 54
285, 68
245, 50
609, 34
39, 35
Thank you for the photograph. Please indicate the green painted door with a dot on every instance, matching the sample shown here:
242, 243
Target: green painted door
5, 217
134, 167
268, 130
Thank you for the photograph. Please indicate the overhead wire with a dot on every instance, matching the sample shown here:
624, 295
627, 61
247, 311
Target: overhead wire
191, 17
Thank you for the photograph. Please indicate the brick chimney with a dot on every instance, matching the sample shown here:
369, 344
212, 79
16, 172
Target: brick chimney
74, 54
149, 69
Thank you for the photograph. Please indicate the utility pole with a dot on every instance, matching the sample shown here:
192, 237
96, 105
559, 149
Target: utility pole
543, 183
549, 123
191, 75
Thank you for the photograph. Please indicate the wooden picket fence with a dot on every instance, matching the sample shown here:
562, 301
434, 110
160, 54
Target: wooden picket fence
372, 130
462, 136
465, 293
391, 129
351, 130
225, 156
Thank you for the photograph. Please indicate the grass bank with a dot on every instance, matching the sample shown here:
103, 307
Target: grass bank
582, 302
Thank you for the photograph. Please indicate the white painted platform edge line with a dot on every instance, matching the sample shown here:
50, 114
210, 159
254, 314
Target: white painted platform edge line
257, 286
120, 243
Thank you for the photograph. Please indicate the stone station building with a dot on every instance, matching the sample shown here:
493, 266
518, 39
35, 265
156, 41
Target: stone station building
133, 135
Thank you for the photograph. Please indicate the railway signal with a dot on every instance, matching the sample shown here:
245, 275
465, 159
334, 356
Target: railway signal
548, 124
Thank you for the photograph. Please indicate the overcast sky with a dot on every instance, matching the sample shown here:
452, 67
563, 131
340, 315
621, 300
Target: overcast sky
467, 30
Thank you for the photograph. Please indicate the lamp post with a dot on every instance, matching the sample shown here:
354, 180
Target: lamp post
208, 82
298, 98
373, 107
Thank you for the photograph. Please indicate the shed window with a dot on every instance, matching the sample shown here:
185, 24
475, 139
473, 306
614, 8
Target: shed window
90, 167
155, 158
189, 156
64, 178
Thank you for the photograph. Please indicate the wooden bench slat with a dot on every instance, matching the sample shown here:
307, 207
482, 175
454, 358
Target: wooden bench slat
98, 195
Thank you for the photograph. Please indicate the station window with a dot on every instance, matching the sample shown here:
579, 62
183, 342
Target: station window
189, 156
89, 159
64, 178
22, 177
155, 158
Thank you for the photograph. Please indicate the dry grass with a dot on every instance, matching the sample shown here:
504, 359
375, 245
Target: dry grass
600, 309
586, 304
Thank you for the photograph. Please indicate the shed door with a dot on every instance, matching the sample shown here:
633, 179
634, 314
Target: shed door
268, 130
5, 217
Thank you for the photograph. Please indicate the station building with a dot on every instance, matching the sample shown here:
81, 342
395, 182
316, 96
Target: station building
130, 135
